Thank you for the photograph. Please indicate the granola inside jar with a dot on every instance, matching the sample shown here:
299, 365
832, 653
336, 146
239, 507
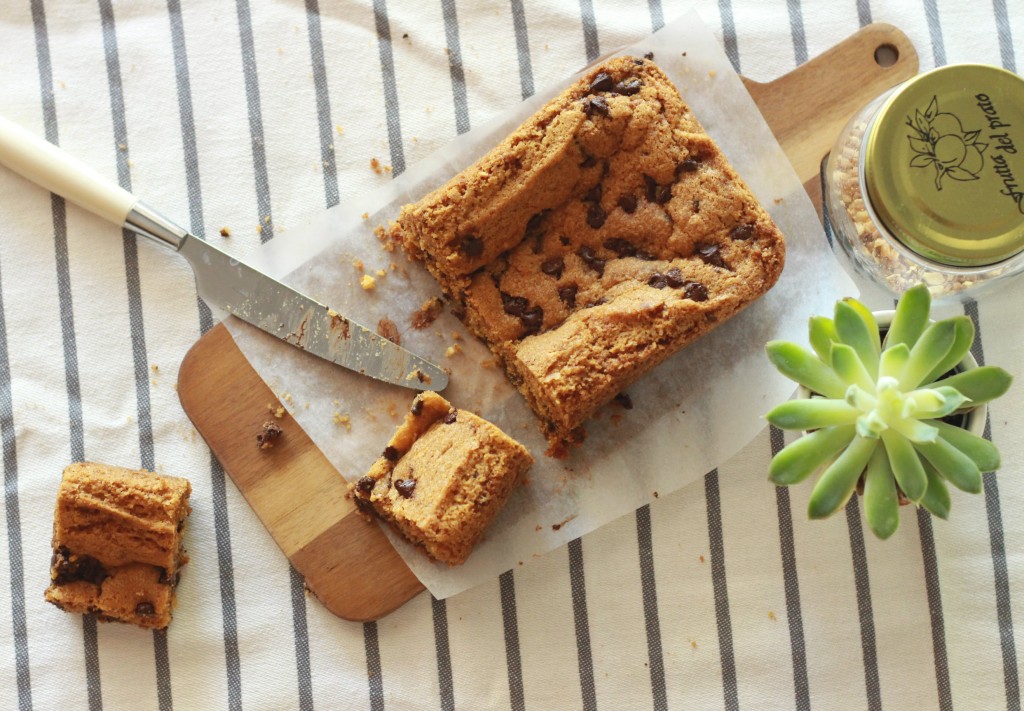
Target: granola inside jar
926, 182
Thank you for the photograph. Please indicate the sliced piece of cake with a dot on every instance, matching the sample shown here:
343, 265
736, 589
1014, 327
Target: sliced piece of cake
599, 238
444, 476
118, 544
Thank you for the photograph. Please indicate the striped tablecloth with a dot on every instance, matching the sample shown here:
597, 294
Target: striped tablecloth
257, 115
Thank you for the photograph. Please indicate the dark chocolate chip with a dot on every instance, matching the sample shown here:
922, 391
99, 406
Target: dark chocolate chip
742, 232
645, 256
628, 87
595, 215
628, 204
564, 240
68, 568
365, 484
166, 579
696, 205
390, 454
514, 305
365, 506
687, 166
594, 194
417, 407
568, 295
553, 267
602, 82
624, 401
621, 247
472, 246
695, 291
595, 105
663, 194
145, 609
451, 417
652, 187
649, 55
591, 259
535, 222
405, 487
588, 162
674, 278
533, 320
709, 254
657, 280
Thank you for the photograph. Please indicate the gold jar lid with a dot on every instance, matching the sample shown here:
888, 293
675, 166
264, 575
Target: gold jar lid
944, 164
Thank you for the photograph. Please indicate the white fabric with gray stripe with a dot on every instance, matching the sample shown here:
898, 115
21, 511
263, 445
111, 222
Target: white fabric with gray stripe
257, 115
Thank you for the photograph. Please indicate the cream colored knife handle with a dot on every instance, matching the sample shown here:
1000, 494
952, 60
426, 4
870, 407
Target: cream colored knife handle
50, 167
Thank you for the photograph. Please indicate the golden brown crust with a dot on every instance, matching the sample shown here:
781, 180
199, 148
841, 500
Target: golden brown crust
600, 237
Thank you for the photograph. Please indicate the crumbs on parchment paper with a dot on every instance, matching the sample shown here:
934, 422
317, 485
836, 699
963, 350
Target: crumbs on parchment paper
427, 313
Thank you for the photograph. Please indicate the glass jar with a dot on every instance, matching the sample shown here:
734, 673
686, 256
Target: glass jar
926, 182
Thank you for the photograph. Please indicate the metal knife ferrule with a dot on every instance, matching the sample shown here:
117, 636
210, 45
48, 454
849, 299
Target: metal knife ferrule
144, 220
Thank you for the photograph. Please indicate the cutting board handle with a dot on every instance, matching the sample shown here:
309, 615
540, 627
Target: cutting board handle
807, 108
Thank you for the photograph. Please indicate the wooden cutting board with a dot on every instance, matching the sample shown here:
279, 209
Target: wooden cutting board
348, 564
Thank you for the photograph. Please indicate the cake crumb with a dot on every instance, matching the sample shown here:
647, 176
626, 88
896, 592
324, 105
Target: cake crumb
453, 350
427, 313
386, 328
392, 410
376, 166
557, 526
357, 264
701, 559
225, 231
489, 363
259, 229
343, 420
365, 216
340, 129
155, 368
268, 435
278, 411
538, 527
711, 74
771, 616
655, 493
266, 219
381, 273
368, 283
693, 643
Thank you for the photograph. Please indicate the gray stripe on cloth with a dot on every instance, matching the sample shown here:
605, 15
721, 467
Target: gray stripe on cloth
791, 584
581, 620
1011, 670
522, 48
931, 13
222, 528
729, 33
938, 621
444, 655
1006, 52
302, 666
590, 41
252, 97
652, 623
458, 76
513, 658
869, 650
657, 15
135, 318
796, 29
716, 541
323, 102
864, 12
71, 372
373, 670
12, 511
387, 69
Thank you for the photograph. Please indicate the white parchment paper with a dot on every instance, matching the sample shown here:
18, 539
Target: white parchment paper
690, 415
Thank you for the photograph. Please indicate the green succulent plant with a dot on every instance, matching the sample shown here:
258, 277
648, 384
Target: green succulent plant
875, 415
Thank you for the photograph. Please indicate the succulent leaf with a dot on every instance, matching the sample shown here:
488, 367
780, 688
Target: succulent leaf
893, 361
960, 348
848, 366
980, 384
954, 466
931, 348
802, 366
801, 458
911, 317
906, 466
915, 430
881, 502
812, 414
929, 403
868, 316
837, 482
822, 334
982, 452
936, 498
859, 333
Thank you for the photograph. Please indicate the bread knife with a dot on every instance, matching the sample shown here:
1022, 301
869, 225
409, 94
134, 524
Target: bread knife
222, 280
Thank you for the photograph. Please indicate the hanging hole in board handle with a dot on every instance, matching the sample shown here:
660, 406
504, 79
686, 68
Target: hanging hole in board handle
886, 55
